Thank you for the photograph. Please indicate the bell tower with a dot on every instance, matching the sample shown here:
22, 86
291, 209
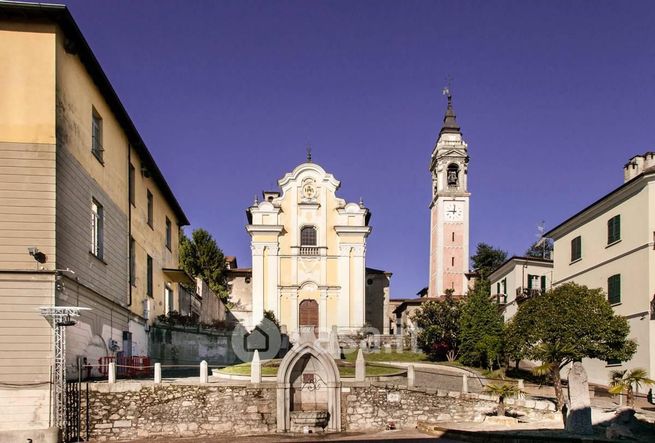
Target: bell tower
449, 209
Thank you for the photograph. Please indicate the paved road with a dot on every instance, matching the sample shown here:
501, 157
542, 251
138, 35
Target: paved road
405, 436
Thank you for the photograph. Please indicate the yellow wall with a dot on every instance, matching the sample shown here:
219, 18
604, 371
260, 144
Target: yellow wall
27, 75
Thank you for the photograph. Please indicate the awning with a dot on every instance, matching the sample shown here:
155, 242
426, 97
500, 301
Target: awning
178, 276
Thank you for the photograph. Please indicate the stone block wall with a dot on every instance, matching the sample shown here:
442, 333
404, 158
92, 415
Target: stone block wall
373, 406
125, 411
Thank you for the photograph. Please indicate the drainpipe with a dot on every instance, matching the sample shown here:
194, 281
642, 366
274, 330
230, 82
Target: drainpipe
129, 227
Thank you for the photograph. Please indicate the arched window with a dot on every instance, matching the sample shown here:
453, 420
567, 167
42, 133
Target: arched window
452, 174
308, 236
308, 241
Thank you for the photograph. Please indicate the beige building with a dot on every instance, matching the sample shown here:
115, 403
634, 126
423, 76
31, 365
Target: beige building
86, 217
610, 245
309, 255
518, 279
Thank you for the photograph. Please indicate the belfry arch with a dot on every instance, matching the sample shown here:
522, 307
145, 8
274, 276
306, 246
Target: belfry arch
308, 385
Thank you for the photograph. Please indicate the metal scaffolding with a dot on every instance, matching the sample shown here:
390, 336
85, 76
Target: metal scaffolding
60, 317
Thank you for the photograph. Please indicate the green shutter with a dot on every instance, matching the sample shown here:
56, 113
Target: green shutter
498, 288
529, 281
614, 289
614, 229
543, 283
576, 248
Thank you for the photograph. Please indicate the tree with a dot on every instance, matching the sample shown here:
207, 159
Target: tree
438, 324
201, 257
503, 391
481, 329
540, 249
567, 324
486, 259
623, 381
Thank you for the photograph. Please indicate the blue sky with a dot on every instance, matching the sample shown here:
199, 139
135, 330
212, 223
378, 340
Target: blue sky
553, 98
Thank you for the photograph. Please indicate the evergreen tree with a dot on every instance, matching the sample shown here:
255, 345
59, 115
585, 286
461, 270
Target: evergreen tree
486, 259
201, 257
566, 324
541, 249
481, 329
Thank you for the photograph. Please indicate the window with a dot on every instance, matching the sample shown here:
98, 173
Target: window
452, 261
97, 229
150, 208
576, 248
453, 236
614, 289
613, 229
452, 174
132, 262
131, 179
96, 136
543, 283
169, 233
149, 277
613, 362
308, 236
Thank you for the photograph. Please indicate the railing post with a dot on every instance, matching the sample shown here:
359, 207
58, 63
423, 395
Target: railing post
111, 371
360, 367
157, 372
255, 368
465, 384
204, 378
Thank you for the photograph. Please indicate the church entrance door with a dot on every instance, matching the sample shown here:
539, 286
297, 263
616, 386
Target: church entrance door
308, 314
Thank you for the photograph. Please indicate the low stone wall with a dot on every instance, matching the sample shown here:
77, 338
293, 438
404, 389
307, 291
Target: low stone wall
373, 406
130, 410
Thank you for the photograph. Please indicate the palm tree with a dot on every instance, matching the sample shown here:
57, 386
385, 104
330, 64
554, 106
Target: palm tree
503, 391
623, 381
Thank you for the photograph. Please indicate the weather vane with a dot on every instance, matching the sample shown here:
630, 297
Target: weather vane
447, 90
309, 153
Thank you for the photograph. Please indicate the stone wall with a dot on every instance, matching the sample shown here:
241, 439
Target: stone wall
373, 406
129, 410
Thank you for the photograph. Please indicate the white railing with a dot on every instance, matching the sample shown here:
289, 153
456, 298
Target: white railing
309, 250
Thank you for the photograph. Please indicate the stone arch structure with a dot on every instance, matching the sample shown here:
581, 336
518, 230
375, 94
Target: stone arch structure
308, 369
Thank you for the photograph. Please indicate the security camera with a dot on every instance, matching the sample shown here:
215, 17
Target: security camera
37, 255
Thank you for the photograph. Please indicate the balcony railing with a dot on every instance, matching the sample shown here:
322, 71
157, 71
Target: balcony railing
309, 251
523, 294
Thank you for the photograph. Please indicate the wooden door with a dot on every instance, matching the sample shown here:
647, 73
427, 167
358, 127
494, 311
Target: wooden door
308, 315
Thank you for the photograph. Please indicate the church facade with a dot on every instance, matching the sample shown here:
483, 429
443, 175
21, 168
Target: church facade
309, 255
449, 210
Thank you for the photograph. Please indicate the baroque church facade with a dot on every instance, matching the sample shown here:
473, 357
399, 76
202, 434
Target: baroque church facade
449, 210
309, 259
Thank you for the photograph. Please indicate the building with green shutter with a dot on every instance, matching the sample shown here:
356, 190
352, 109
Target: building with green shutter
610, 245
518, 279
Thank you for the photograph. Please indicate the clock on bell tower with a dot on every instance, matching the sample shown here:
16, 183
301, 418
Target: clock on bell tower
449, 209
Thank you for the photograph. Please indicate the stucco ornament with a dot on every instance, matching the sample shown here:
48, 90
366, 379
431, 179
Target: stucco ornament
309, 190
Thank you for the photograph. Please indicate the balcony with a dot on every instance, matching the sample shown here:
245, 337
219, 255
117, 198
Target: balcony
309, 251
523, 294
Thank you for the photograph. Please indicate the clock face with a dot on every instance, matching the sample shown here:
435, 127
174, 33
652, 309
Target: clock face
454, 211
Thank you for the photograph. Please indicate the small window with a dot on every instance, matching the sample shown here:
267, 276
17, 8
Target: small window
613, 362
132, 261
453, 236
169, 233
452, 261
150, 208
614, 289
149, 277
369, 282
308, 236
613, 229
97, 229
576, 248
132, 185
96, 136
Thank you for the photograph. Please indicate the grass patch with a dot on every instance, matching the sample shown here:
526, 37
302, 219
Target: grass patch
346, 369
407, 357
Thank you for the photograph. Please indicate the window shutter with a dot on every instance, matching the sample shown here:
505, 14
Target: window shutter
529, 281
498, 288
614, 289
543, 282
